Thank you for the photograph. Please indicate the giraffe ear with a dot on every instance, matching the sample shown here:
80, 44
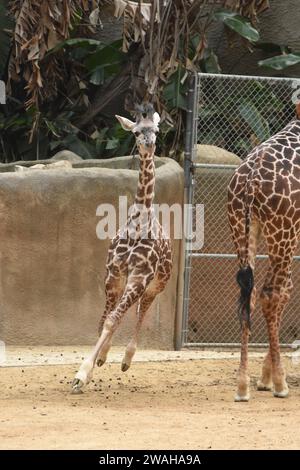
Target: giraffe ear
156, 119
126, 123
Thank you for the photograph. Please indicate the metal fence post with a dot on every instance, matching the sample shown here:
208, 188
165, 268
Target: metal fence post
190, 139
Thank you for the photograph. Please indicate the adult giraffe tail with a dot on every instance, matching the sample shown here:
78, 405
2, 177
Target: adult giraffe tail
245, 277
245, 280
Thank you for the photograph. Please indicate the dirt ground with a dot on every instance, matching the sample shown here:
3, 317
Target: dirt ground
155, 405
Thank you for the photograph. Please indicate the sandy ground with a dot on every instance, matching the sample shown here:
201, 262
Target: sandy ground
174, 404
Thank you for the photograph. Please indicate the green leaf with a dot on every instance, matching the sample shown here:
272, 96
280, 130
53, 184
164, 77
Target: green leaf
106, 56
73, 143
210, 62
281, 61
237, 23
175, 91
97, 77
78, 42
256, 121
99, 134
112, 144
51, 127
126, 144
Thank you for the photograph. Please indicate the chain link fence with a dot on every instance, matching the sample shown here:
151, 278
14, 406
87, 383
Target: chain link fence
235, 113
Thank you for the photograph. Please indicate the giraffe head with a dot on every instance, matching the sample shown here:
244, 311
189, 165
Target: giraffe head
145, 128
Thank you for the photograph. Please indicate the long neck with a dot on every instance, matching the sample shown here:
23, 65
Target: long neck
145, 190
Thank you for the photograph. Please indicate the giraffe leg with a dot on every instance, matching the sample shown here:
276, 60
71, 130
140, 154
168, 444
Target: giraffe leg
85, 372
281, 389
270, 300
143, 307
265, 384
113, 290
274, 297
134, 290
243, 380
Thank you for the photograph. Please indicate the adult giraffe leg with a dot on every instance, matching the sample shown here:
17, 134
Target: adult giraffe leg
265, 384
274, 297
248, 294
136, 285
243, 379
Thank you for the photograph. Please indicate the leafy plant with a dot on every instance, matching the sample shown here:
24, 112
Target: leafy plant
62, 81
281, 62
238, 24
6, 25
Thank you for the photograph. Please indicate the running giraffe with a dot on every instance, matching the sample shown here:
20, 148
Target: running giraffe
139, 261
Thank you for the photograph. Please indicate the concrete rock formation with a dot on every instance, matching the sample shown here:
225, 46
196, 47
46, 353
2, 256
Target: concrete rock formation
51, 261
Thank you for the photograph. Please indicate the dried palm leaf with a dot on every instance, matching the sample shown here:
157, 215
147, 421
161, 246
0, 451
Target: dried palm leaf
40, 26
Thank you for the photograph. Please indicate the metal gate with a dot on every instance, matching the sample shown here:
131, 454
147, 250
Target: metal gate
234, 113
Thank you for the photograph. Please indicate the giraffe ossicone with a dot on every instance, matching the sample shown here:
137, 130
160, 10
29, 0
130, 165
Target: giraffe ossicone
264, 198
138, 267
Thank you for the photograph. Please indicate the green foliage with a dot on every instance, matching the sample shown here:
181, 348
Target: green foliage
175, 91
238, 24
245, 117
105, 62
77, 42
6, 24
57, 129
280, 62
257, 123
93, 66
210, 63
15, 125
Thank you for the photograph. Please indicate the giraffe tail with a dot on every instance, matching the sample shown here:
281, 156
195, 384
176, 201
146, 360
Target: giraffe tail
245, 280
245, 276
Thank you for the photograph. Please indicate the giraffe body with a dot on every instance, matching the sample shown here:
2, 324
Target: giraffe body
264, 198
139, 260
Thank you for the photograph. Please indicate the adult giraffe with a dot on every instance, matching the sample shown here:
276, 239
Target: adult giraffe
264, 197
139, 258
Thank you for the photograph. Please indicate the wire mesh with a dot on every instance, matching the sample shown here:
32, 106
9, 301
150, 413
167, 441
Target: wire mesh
235, 113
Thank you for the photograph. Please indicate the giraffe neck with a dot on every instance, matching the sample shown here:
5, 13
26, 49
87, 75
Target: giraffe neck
145, 190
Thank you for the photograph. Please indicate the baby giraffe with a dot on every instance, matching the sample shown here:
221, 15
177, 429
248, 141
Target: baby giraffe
139, 258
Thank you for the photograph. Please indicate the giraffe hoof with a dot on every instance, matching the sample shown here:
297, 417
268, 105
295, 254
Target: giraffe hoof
100, 362
77, 387
239, 398
282, 394
124, 367
261, 387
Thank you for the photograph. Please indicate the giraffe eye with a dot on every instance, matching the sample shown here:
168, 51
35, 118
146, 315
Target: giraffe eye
137, 133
